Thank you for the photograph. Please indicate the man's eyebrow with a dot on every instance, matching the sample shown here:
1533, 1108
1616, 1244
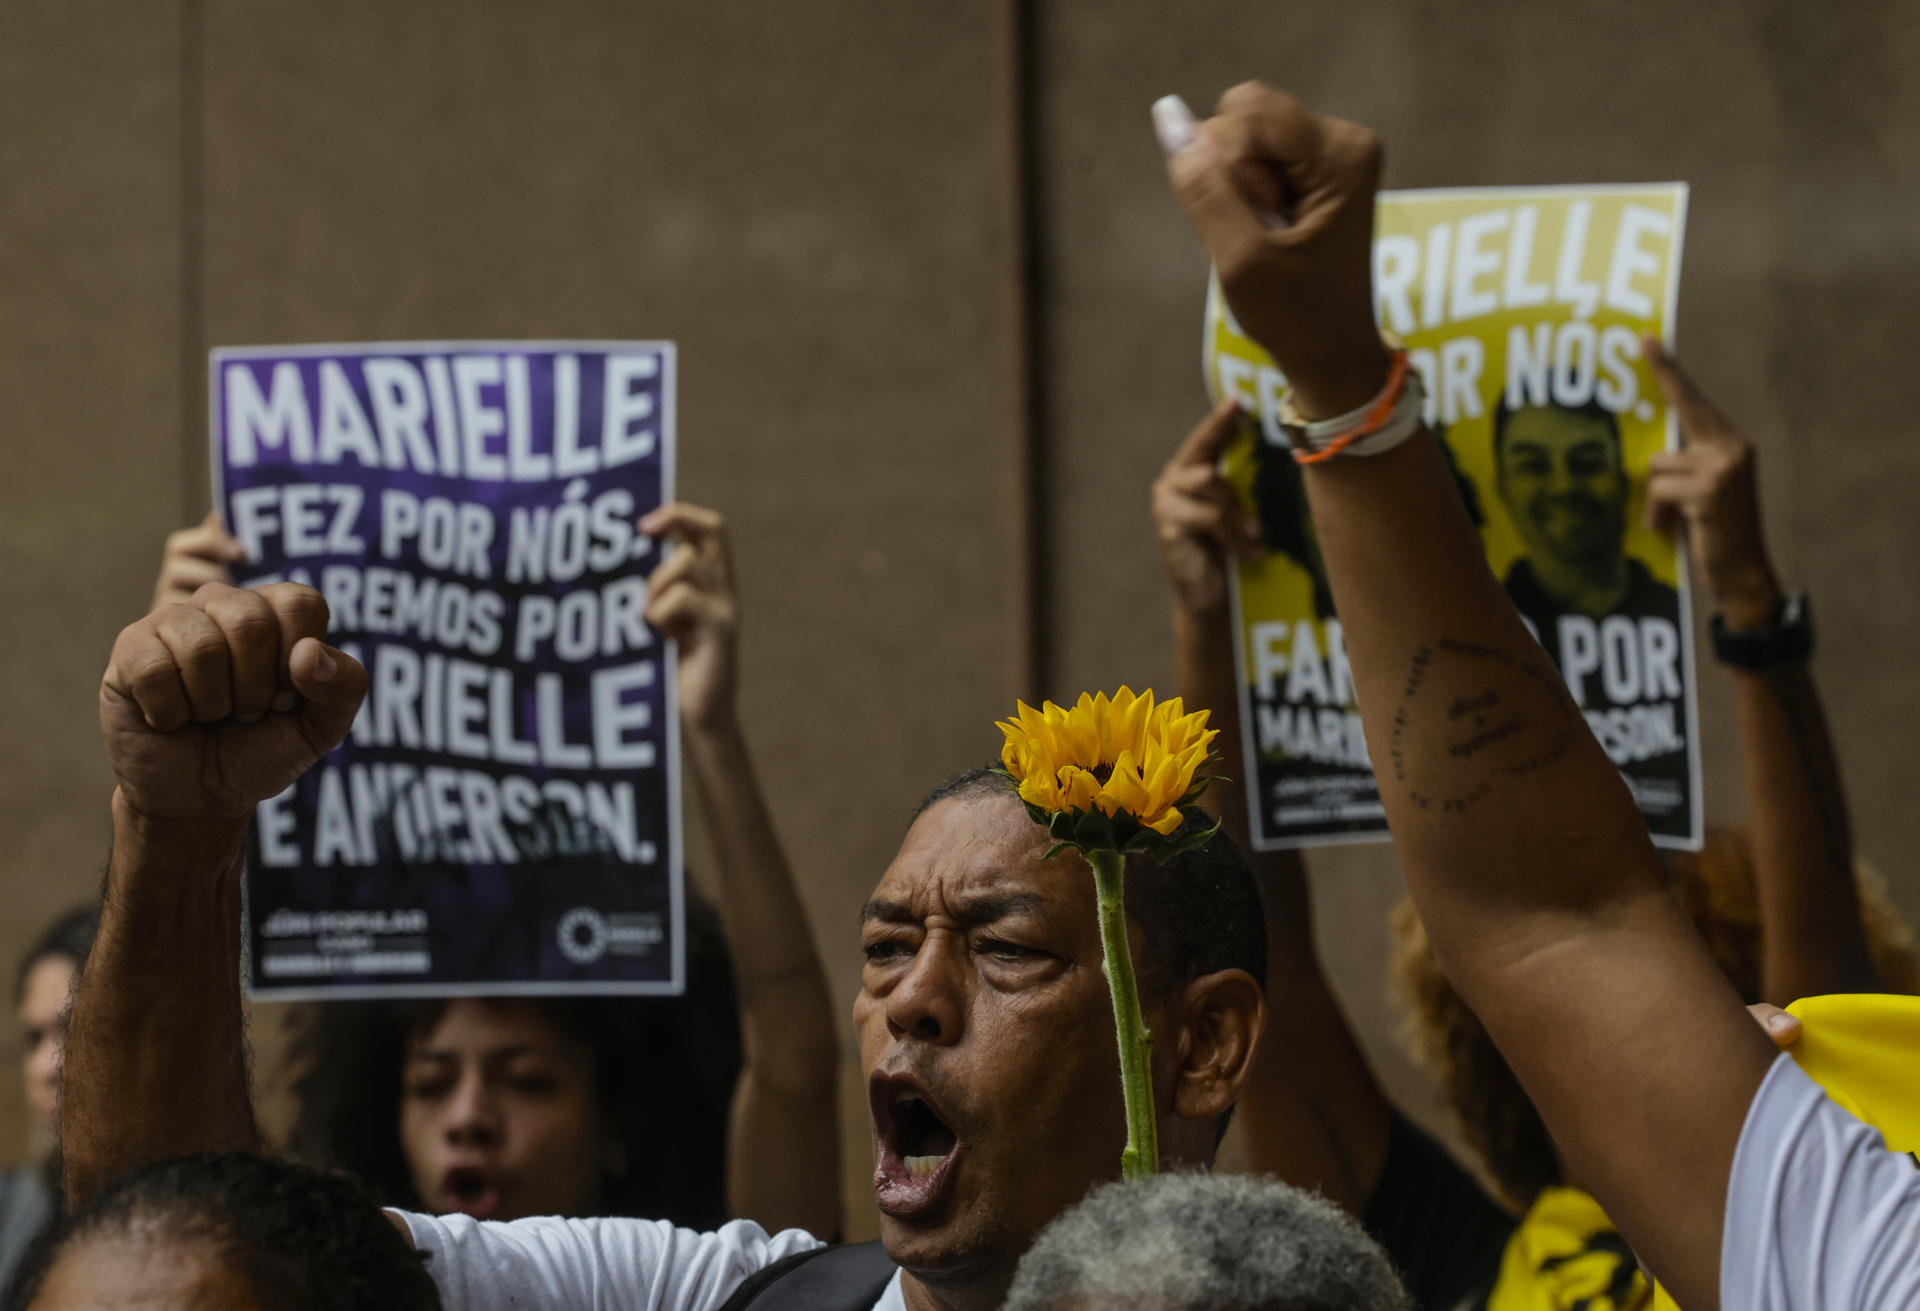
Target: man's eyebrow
979, 910
887, 912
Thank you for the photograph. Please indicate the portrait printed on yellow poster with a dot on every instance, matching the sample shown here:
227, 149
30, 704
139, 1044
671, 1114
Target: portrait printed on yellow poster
1522, 308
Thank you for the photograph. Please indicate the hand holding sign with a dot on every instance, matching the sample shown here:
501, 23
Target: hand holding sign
195, 557
691, 599
1304, 289
1198, 517
1711, 486
211, 706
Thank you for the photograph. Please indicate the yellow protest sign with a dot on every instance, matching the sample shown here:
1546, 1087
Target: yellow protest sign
1522, 308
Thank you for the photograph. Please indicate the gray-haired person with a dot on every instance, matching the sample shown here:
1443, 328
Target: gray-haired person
1199, 1242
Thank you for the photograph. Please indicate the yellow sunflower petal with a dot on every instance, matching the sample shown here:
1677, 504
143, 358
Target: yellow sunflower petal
1040, 790
1186, 766
1125, 790
1181, 730
1134, 716
1165, 822
1103, 721
1013, 755
1038, 731
1079, 789
1164, 784
1080, 734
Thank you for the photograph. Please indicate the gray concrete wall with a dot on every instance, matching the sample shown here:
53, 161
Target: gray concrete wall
815, 201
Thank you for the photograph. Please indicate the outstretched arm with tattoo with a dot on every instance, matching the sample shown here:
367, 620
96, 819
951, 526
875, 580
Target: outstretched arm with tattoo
1312, 1112
783, 1151
208, 707
1812, 941
1523, 850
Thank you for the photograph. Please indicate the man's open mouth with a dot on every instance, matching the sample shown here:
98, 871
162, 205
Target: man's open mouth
916, 1147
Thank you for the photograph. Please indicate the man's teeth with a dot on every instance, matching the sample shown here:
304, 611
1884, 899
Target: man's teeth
918, 1167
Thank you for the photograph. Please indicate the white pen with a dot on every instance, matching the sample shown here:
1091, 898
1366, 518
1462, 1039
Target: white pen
1174, 123
1176, 127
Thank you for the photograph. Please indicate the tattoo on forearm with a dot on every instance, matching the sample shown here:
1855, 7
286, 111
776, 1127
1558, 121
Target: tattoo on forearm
1494, 715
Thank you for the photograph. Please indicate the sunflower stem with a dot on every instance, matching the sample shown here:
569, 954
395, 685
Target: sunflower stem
1142, 1155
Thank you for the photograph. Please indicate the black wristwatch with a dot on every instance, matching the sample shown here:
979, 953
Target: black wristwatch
1788, 638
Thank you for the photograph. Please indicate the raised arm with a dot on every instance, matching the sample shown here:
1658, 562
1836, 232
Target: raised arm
208, 707
1312, 1112
783, 1155
1524, 854
1811, 937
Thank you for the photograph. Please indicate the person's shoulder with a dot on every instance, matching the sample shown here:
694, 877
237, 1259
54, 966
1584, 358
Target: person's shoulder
848, 1277
551, 1260
24, 1197
1816, 1201
26, 1209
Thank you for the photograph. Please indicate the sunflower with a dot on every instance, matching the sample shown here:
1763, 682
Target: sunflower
1110, 776
1110, 771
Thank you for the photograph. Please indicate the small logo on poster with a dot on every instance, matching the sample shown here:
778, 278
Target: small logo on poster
583, 935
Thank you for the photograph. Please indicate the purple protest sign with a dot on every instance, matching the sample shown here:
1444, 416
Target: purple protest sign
504, 816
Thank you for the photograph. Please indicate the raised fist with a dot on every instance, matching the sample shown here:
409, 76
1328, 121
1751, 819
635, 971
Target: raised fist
212, 705
1283, 200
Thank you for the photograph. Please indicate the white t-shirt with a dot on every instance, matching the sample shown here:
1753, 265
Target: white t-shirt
595, 1265
1820, 1215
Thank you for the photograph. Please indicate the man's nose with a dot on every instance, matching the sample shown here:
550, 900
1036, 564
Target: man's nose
473, 1118
1563, 478
930, 1001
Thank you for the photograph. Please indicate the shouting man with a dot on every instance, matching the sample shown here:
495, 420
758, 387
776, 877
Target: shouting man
984, 1021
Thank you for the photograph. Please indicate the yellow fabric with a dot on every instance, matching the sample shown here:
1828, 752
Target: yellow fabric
1864, 1050
1567, 1256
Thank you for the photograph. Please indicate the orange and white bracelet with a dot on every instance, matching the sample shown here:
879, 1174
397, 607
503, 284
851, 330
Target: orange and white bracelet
1374, 429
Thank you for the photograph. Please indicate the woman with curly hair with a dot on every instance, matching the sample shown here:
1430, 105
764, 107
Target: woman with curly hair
1780, 905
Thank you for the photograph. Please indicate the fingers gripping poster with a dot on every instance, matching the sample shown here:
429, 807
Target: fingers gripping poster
1522, 309
504, 815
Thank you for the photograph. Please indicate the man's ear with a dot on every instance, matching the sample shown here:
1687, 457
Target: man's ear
1221, 1024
